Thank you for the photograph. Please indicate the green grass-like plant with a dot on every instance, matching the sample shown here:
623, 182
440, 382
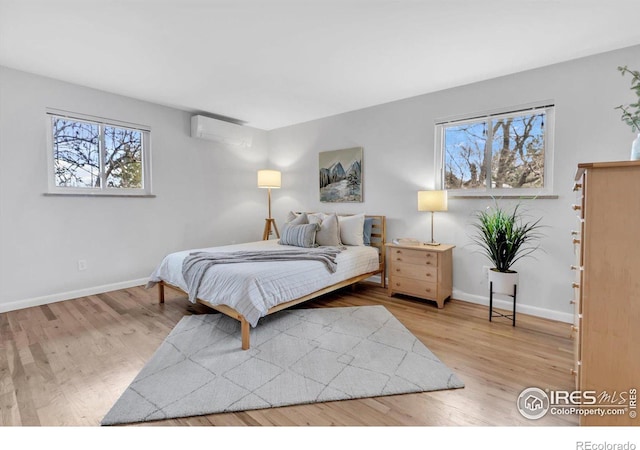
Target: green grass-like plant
631, 112
505, 237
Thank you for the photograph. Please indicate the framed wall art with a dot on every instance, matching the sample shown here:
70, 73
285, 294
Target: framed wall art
341, 175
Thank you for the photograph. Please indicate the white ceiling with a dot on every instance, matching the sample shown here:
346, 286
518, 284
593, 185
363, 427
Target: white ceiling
273, 63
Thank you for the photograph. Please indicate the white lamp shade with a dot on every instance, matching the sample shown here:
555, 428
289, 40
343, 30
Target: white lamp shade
269, 179
432, 200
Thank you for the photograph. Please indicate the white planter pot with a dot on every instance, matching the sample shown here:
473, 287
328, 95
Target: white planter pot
635, 149
503, 282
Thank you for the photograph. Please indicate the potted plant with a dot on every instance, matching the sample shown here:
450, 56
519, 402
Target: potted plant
505, 237
631, 113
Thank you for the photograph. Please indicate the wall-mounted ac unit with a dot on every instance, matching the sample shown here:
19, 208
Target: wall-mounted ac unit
220, 131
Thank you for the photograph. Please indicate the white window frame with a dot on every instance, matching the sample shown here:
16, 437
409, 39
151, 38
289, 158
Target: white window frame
103, 190
549, 132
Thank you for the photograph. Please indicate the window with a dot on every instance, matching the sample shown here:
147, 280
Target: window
89, 155
497, 154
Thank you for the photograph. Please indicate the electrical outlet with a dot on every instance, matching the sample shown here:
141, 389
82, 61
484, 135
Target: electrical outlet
82, 264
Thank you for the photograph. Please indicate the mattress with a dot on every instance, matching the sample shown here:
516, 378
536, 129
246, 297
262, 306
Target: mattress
255, 287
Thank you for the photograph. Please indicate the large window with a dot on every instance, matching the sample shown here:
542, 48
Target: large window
93, 156
497, 154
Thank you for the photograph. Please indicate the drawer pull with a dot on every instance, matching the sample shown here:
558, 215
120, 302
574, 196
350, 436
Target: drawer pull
574, 328
428, 290
427, 274
577, 186
398, 259
572, 302
572, 267
576, 207
573, 372
576, 241
574, 233
575, 285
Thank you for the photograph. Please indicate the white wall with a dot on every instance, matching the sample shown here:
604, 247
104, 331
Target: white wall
398, 141
205, 195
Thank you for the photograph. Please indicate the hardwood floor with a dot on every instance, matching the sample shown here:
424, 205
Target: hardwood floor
66, 363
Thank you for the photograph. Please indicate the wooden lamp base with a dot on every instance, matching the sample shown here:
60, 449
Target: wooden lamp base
267, 228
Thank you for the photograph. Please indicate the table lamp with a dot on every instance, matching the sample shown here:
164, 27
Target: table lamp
432, 201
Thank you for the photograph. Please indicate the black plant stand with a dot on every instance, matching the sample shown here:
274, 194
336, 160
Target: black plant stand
493, 314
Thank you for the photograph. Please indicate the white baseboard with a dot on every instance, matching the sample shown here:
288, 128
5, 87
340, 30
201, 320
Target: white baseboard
457, 294
44, 300
508, 305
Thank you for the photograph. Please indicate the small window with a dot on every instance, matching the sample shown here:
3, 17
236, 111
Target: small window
497, 154
93, 156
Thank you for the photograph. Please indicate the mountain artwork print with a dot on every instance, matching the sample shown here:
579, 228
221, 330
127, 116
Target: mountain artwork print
341, 175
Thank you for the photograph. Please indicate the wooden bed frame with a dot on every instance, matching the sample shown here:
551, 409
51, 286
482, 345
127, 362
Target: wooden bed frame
378, 237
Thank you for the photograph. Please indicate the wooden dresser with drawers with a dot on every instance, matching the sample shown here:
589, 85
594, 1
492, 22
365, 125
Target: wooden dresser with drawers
422, 271
606, 286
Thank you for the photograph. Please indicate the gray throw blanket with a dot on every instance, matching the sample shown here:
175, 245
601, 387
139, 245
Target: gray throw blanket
196, 264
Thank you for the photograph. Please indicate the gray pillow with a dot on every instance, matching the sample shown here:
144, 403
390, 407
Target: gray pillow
368, 229
298, 219
329, 231
299, 235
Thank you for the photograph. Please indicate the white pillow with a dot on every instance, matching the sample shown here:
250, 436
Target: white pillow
329, 232
351, 229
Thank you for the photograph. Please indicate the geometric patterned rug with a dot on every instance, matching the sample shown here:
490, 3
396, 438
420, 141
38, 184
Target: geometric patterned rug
296, 356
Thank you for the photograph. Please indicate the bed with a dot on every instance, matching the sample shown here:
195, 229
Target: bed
250, 290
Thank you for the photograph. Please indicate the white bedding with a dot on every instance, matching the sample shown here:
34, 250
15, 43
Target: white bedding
253, 288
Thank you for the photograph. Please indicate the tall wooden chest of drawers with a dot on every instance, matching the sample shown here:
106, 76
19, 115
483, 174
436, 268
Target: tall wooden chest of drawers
607, 287
422, 271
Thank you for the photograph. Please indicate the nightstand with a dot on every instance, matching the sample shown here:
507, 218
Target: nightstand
422, 271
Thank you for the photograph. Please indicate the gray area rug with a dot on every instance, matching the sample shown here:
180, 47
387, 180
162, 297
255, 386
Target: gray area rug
296, 356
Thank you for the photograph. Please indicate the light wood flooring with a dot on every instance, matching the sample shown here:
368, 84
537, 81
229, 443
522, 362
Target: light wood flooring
66, 363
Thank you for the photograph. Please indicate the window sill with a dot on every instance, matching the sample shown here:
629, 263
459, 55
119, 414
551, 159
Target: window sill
513, 196
96, 194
